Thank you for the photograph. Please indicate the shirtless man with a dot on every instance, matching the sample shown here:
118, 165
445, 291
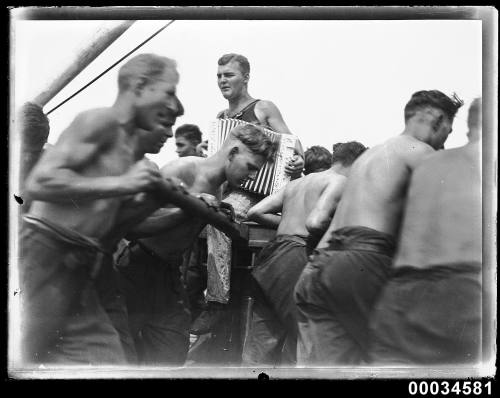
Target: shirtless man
316, 159
233, 75
430, 311
156, 299
338, 287
77, 188
187, 139
306, 204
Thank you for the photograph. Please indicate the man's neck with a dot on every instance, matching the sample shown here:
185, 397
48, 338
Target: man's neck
213, 169
124, 113
237, 104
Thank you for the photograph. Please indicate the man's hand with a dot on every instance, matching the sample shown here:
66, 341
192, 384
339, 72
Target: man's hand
202, 148
295, 166
210, 200
142, 176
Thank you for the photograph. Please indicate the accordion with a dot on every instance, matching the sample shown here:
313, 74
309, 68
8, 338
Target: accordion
271, 177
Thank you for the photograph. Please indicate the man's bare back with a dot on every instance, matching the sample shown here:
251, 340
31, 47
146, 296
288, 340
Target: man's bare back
443, 218
375, 191
301, 197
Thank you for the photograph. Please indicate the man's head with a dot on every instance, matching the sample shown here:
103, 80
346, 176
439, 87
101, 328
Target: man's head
475, 120
434, 109
317, 158
344, 155
151, 81
233, 74
187, 137
247, 148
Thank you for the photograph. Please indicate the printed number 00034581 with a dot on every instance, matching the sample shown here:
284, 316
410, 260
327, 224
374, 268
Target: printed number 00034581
445, 388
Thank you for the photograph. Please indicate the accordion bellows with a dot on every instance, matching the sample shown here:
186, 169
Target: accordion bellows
271, 177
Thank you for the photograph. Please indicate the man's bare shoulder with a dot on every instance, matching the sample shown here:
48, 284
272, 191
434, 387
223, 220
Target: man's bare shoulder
92, 123
184, 168
266, 106
448, 161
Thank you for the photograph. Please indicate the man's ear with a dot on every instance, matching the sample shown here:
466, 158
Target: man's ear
246, 77
234, 150
437, 123
139, 84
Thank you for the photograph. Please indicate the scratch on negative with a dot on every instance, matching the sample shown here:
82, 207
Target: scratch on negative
72, 201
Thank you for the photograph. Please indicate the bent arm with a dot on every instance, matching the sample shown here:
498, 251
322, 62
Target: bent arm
265, 212
321, 216
159, 222
56, 177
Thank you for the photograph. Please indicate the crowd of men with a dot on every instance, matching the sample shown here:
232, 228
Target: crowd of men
376, 260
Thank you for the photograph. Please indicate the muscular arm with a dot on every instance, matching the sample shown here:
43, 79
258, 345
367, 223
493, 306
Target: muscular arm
268, 113
57, 175
165, 218
265, 211
160, 221
320, 217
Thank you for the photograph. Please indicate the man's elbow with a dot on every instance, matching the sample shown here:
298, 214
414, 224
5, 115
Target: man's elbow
317, 225
253, 215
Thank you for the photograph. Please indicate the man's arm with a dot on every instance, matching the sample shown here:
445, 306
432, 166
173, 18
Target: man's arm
160, 221
268, 113
321, 216
56, 177
265, 211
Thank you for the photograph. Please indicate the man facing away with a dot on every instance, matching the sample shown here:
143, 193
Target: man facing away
338, 287
430, 311
305, 204
316, 159
150, 267
233, 75
78, 187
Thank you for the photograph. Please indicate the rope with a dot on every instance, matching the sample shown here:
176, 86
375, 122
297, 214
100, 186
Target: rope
111, 67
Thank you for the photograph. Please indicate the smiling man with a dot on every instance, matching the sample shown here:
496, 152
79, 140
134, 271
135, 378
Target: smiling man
78, 188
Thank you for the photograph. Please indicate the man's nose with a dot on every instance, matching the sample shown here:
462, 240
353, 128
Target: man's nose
176, 107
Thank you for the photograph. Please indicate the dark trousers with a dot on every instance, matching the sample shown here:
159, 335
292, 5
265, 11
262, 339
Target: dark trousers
157, 305
63, 320
429, 316
335, 295
195, 275
272, 338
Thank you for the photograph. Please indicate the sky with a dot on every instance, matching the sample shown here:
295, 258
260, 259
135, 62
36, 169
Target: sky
333, 81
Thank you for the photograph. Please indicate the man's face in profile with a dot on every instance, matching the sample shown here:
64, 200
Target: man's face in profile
231, 80
184, 147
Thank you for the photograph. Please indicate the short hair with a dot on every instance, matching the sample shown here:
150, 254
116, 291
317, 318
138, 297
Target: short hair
317, 158
149, 66
190, 132
232, 57
254, 139
346, 153
434, 99
474, 116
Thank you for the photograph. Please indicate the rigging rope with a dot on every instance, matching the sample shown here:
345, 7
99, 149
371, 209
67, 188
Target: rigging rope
111, 67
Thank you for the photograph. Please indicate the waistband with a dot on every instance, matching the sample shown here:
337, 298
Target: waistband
63, 234
301, 240
136, 247
362, 239
438, 271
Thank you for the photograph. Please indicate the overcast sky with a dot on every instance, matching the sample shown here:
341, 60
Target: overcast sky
334, 81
